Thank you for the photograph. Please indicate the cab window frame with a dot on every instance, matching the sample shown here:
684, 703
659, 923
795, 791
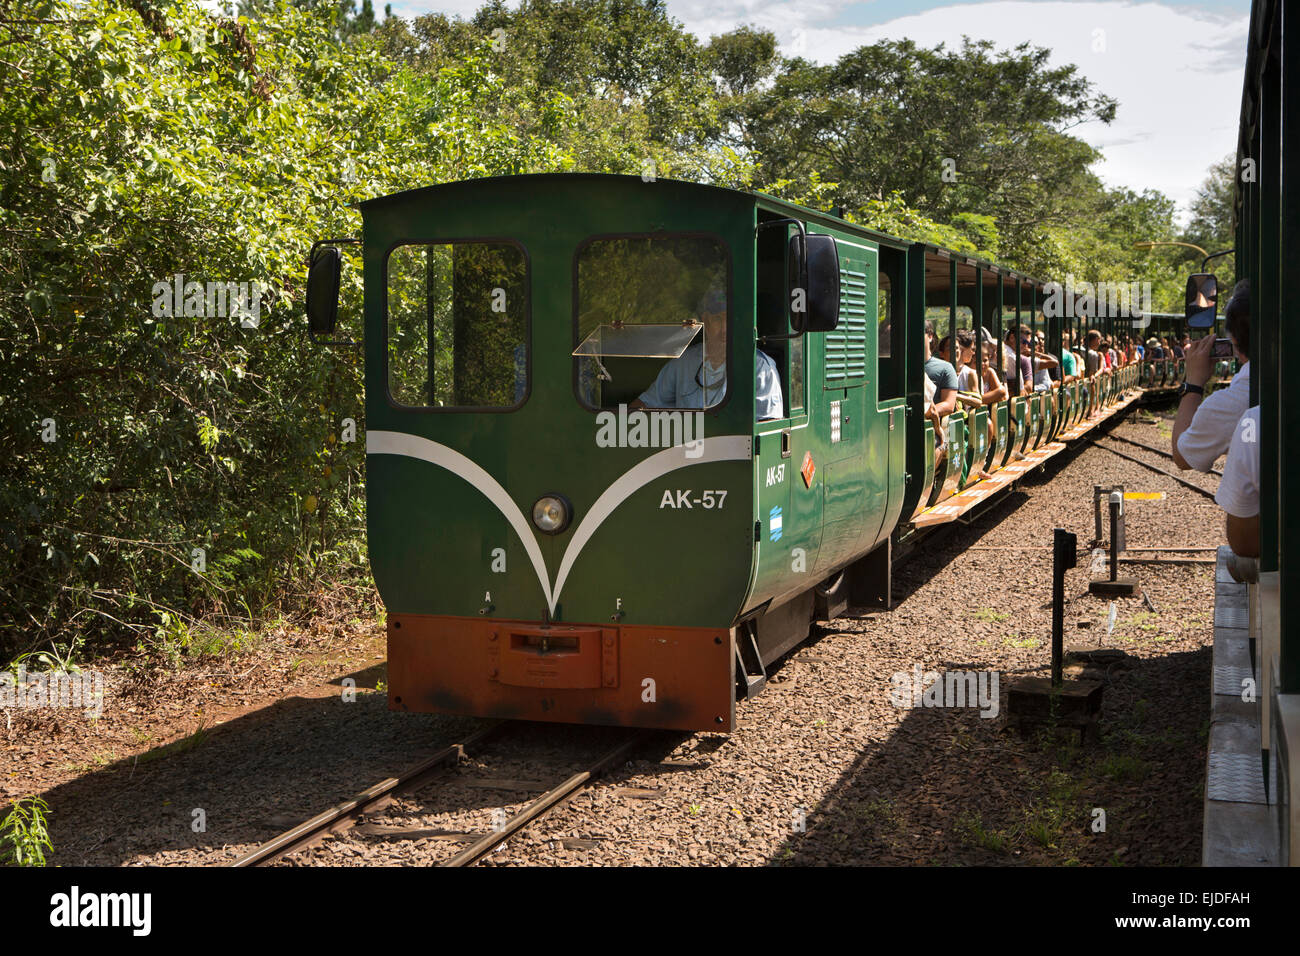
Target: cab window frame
527, 317
577, 305
791, 417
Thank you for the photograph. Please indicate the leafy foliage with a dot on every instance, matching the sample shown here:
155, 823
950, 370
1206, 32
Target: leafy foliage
143, 147
174, 469
24, 834
1211, 225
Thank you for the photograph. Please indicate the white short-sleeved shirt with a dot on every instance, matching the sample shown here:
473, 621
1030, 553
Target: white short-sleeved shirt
1238, 492
690, 381
767, 389
1207, 437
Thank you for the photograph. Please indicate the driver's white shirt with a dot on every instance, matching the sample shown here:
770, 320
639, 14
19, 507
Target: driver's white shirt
691, 381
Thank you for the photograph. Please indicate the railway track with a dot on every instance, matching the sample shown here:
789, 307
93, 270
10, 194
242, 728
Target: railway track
1097, 443
1153, 449
379, 796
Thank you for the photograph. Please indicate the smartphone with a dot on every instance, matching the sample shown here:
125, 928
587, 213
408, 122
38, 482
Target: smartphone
1222, 348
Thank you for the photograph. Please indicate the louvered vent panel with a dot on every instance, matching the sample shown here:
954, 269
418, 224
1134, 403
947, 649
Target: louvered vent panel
846, 347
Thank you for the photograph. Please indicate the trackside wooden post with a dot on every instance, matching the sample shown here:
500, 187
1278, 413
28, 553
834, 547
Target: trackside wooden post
1064, 556
1055, 701
1114, 585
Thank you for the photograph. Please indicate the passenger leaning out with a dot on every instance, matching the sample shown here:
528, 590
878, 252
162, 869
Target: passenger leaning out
1204, 426
941, 398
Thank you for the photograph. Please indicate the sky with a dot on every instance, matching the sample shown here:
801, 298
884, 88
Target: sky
1176, 69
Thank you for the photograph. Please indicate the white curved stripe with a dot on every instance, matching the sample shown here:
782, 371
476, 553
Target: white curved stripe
721, 448
412, 446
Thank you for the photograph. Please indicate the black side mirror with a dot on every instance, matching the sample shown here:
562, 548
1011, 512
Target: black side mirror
323, 289
796, 286
813, 282
1202, 300
822, 285
323, 273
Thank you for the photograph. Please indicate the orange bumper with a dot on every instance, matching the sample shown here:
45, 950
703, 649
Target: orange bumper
678, 678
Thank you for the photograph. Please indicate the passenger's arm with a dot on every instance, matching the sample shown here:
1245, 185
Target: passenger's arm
932, 414
946, 402
1243, 535
998, 391
1196, 371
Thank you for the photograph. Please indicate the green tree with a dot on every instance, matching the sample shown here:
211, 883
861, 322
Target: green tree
350, 21
1212, 224
961, 131
153, 141
742, 61
636, 86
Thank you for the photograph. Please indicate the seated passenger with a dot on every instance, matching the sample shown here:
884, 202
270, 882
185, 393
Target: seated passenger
698, 377
944, 377
1069, 368
994, 389
1032, 354
991, 390
1016, 366
1092, 361
968, 390
942, 402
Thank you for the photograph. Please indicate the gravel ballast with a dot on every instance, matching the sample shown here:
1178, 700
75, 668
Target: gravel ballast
825, 768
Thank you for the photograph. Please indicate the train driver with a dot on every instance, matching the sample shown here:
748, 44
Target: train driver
698, 377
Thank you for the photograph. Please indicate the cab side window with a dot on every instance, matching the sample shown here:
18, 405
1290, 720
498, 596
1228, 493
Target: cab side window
773, 316
889, 324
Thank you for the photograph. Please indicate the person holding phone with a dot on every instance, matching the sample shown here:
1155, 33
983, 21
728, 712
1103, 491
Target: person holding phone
1204, 426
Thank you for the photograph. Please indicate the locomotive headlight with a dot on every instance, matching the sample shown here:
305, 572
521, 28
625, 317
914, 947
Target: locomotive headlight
552, 514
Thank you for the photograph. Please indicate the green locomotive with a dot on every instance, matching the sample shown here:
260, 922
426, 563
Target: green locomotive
627, 440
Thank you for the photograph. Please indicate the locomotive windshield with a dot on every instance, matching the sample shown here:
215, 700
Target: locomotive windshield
457, 325
652, 322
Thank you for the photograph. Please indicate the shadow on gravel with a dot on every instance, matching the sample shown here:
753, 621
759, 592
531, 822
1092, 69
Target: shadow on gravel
259, 774
952, 788
251, 777
933, 558
368, 678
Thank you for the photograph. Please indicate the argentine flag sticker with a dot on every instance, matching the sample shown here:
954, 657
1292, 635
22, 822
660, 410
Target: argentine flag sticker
774, 524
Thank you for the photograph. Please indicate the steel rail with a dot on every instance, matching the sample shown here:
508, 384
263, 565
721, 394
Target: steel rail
1147, 464
547, 801
345, 814
1155, 450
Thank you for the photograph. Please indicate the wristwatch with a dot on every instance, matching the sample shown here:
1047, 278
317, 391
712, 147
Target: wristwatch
1187, 389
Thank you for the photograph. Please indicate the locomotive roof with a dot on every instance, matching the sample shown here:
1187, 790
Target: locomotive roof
771, 202
804, 212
